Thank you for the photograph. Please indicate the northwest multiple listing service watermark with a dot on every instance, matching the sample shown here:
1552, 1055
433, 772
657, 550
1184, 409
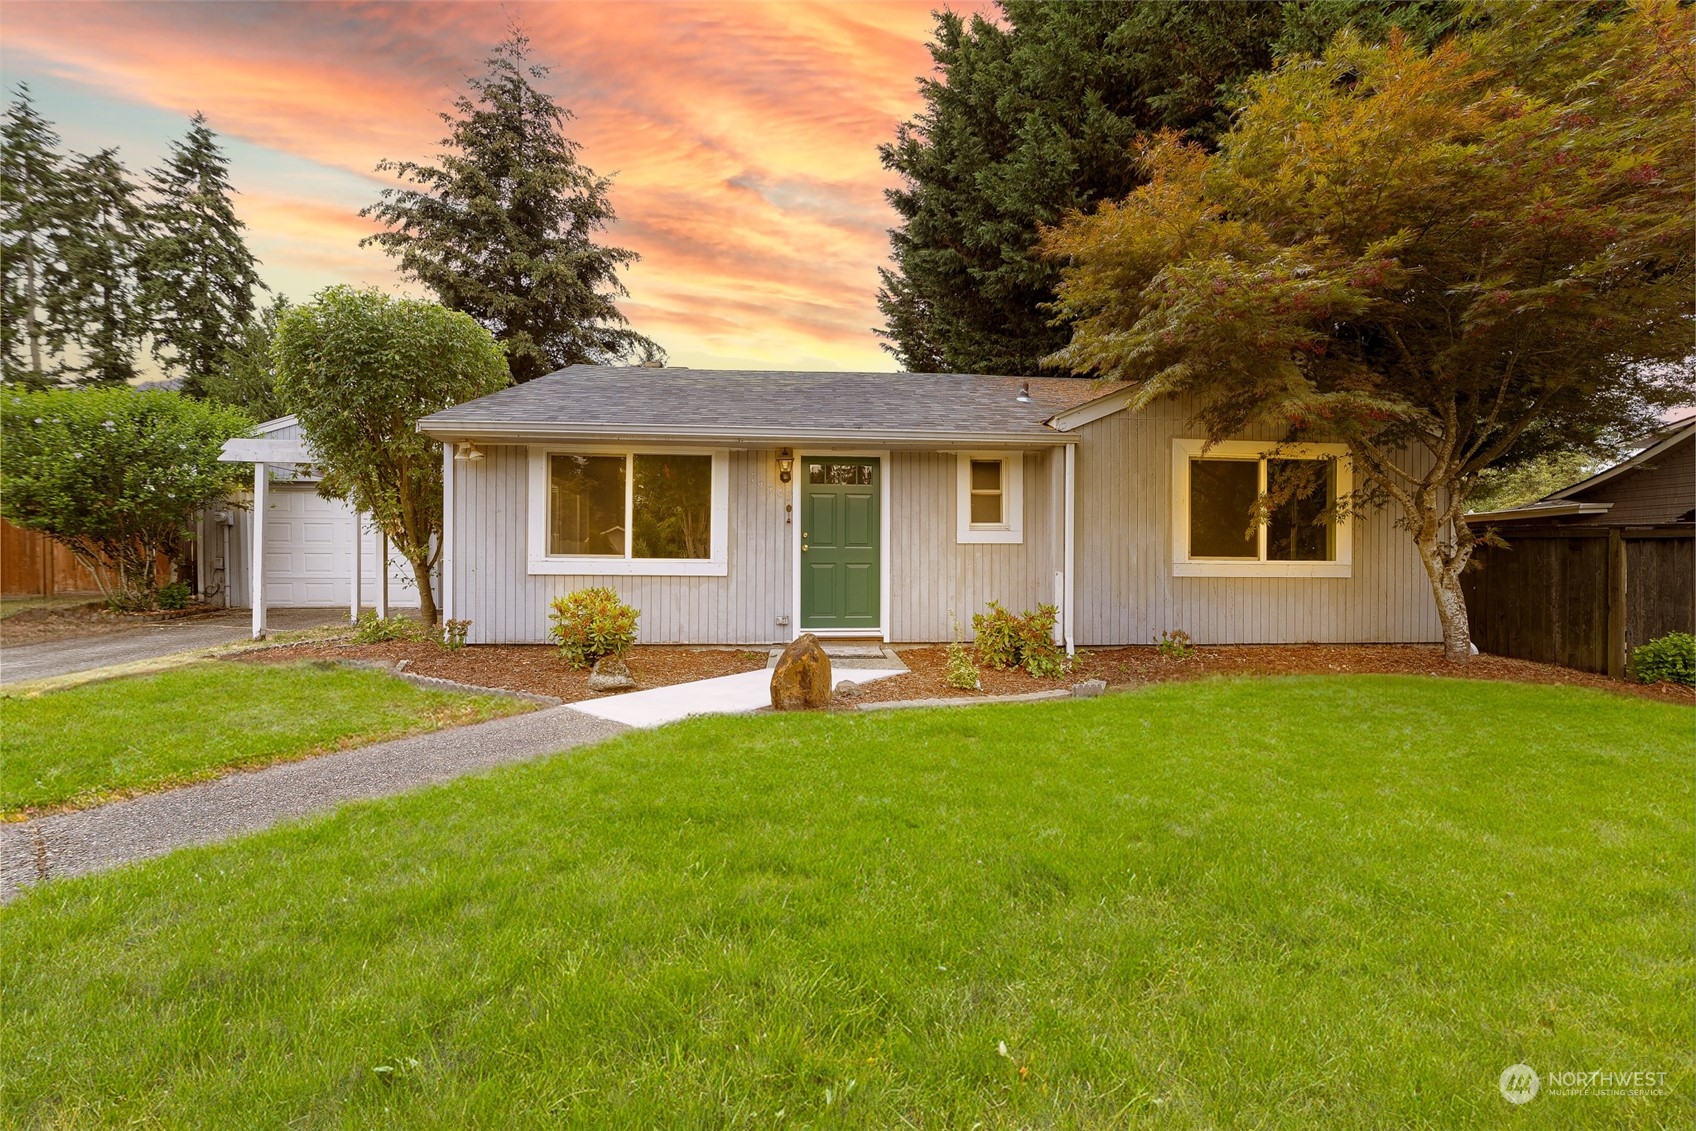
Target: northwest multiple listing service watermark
1520, 1083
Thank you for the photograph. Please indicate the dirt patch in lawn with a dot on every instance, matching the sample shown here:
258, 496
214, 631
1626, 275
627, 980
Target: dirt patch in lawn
535, 668
1130, 667
89, 618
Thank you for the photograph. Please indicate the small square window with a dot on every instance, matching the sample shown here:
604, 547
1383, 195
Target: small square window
991, 497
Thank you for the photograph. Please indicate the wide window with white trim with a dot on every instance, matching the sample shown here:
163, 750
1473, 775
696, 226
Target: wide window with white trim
991, 497
605, 511
1216, 491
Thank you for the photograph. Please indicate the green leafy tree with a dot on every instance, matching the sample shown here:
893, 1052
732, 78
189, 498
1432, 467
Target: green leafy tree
503, 227
1499, 488
99, 298
199, 274
1038, 113
247, 378
32, 228
1448, 261
115, 475
360, 368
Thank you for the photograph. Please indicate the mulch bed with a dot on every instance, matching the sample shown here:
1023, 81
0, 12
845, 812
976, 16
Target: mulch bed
535, 668
1134, 666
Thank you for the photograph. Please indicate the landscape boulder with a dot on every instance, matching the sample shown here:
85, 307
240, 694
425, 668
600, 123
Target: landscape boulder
610, 674
1090, 688
801, 680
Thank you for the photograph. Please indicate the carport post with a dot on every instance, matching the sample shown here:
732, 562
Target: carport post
357, 598
382, 575
261, 481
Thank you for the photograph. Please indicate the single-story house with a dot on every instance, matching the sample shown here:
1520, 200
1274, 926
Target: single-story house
316, 552
747, 507
1592, 571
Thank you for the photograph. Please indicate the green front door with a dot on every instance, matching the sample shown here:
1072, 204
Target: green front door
839, 543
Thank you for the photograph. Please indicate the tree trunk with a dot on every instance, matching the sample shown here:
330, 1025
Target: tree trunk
1444, 575
427, 612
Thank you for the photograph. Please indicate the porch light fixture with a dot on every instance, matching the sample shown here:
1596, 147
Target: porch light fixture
785, 465
1024, 396
467, 452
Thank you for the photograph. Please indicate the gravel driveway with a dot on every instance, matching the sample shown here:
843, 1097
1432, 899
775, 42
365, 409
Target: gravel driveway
91, 840
144, 642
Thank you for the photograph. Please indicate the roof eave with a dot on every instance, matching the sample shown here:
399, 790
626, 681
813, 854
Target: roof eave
1518, 514
511, 432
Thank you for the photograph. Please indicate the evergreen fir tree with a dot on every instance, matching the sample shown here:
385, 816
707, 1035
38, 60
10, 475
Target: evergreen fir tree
248, 377
503, 226
1037, 115
32, 228
99, 302
198, 274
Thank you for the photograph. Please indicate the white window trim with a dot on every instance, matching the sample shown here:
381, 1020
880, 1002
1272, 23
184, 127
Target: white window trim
586, 565
1184, 450
1012, 529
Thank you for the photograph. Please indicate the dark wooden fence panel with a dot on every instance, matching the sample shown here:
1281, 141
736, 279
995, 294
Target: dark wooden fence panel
1553, 594
1660, 588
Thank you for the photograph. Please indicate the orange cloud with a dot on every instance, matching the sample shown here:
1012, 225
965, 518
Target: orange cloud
743, 136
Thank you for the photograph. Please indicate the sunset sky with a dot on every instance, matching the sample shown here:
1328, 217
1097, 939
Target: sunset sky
743, 137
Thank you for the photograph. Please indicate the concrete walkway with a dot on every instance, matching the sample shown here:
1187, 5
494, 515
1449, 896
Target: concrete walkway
725, 695
91, 840
85, 653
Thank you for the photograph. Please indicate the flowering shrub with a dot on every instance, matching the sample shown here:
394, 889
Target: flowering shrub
589, 624
453, 634
1174, 644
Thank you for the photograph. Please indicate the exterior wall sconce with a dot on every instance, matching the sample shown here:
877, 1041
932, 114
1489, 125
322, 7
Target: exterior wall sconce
785, 465
467, 452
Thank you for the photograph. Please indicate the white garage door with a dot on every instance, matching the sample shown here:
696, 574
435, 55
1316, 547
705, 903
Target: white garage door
309, 554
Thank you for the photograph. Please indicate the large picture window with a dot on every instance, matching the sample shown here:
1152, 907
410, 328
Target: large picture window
628, 512
1215, 492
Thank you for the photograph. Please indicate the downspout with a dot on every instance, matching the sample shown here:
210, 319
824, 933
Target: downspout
1071, 489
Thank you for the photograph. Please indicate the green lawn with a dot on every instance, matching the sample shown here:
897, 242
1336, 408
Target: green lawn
88, 743
1287, 903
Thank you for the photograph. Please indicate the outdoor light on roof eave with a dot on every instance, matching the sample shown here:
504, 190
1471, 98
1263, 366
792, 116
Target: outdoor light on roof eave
467, 452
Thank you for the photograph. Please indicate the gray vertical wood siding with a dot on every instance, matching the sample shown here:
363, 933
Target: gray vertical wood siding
1126, 593
506, 604
936, 579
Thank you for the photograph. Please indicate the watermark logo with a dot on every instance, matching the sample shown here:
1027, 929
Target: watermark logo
1519, 1084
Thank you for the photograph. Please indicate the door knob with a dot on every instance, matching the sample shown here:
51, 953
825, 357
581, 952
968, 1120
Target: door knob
803, 547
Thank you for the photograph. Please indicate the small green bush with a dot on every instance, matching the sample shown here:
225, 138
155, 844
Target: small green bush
373, 629
175, 595
962, 673
453, 634
590, 624
1672, 658
1024, 640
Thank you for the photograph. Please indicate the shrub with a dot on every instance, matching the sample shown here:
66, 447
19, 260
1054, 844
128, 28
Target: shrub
1175, 644
373, 629
175, 595
1671, 658
1025, 640
962, 673
590, 624
116, 476
453, 634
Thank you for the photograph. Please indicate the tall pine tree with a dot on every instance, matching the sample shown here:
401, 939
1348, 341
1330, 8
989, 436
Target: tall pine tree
503, 227
199, 276
1037, 114
100, 302
32, 229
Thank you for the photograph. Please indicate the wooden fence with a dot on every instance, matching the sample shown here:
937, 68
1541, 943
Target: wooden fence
1581, 596
33, 565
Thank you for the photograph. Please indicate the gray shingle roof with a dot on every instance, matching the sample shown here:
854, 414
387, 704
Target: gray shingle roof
752, 404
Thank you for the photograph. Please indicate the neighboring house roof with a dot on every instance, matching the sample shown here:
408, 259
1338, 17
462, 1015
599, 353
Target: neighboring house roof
783, 405
1653, 486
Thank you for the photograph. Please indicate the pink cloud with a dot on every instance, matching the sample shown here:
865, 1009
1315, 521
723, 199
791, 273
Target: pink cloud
744, 136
